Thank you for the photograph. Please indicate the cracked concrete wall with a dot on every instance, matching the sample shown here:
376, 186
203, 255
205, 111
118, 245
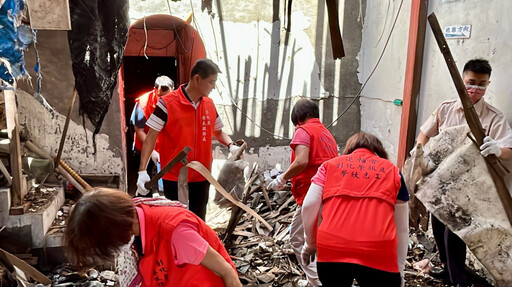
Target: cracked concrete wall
490, 39
379, 115
262, 75
45, 127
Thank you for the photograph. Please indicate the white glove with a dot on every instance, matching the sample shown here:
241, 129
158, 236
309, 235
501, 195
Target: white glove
233, 148
277, 184
490, 146
155, 157
308, 254
143, 178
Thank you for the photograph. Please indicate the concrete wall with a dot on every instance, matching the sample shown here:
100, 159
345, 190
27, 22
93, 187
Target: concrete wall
379, 115
45, 125
491, 38
262, 75
45, 129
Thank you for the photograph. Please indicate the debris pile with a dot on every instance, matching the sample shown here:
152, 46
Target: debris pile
263, 257
68, 276
40, 197
59, 223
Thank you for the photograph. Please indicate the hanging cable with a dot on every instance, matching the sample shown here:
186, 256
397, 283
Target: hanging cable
146, 34
374, 68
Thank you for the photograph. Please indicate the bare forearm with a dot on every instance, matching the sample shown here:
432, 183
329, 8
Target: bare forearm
222, 137
218, 265
422, 139
147, 148
295, 169
141, 134
506, 153
299, 164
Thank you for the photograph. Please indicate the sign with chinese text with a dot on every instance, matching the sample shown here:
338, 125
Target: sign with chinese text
457, 32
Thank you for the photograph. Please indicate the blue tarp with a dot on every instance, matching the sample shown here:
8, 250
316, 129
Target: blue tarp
14, 40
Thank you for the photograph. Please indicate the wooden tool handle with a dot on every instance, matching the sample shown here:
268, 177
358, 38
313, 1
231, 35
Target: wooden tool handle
179, 157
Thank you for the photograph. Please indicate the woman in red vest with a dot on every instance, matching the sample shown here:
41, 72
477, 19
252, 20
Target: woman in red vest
312, 144
169, 245
356, 193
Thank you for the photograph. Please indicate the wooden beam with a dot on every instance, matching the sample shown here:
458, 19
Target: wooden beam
334, 26
11, 115
412, 83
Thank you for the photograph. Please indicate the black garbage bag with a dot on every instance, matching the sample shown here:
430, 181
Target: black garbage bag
96, 41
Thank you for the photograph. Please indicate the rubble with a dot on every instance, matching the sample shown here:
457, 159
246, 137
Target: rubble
458, 189
40, 198
263, 257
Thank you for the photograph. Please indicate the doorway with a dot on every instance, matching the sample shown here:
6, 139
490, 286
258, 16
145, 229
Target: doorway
139, 74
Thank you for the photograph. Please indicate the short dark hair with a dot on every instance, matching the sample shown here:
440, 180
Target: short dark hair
367, 141
99, 224
303, 109
479, 66
204, 68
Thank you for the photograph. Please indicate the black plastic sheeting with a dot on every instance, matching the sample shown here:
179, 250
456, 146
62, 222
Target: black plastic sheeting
97, 40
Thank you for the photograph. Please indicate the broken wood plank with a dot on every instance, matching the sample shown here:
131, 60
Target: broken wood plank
11, 117
29, 271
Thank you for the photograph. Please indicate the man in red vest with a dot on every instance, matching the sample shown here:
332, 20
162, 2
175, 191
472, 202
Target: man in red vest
144, 107
186, 117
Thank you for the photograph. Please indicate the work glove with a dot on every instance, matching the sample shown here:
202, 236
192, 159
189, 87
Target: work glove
277, 184
233, 148
490, 146
155, 157
308, 254
141, 180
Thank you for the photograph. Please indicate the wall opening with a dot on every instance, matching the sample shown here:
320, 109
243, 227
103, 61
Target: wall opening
139, 74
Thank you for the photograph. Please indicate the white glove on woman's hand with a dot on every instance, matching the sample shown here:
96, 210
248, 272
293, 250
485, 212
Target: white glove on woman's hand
277, 184
155, 157
490, 146
308, 254
141, 180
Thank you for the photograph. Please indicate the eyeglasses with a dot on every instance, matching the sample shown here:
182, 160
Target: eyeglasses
470, 87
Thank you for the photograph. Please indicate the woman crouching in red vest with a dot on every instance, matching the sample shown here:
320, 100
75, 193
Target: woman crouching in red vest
312, 144
357, 236
160, 242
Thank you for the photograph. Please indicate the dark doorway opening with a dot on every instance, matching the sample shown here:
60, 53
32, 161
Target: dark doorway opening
139, 74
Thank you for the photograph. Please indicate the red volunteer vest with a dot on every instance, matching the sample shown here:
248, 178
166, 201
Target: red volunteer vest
358, 208
157, 265
187, 126
147, 103
362, 174
322, 147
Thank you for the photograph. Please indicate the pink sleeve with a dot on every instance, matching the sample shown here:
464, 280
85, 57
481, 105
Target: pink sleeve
301, 137
319, 178
187, 245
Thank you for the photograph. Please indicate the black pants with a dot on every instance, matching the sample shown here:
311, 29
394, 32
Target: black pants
338, 274
452, 251
197, 195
